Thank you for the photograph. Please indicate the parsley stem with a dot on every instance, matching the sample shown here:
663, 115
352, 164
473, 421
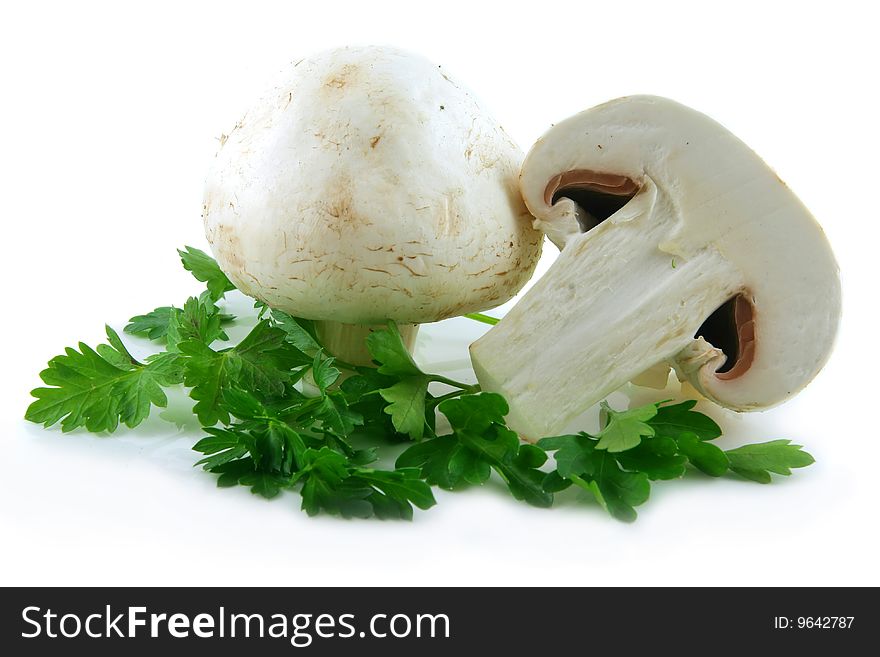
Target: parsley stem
466, 387
342, 364
449, 395
577, 481
480, 317
304, 408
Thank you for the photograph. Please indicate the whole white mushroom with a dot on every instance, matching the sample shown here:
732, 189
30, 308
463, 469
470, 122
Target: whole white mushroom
370, 186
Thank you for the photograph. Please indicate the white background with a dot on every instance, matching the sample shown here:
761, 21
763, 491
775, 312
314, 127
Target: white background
110, 115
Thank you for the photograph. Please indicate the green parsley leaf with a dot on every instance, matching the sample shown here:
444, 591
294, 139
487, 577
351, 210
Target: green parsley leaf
208, 373
387, 348
757, 461
616, 490
118, 353
657, 457
475, 413
407, 397
264, 459
261, 363
361, 392
153, 325
336, 415
264, 484
579, 460
325, 488
574, 453
99, 389
233, 472
436, 462
220, 447
205, 269
555, 483
480, 441
265, 348
406, 405
625, 429
156, 323
323, 372
704, 456
244, 405
197, 320
501, 451
393, 493
300, 332
673, 420
468, 465
332, 486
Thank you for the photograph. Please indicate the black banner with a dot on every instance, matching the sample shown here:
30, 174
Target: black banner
398, 621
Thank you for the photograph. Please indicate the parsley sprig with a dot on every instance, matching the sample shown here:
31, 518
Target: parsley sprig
280, 413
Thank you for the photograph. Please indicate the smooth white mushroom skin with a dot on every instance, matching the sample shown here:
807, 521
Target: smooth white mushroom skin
370, 186
703, 222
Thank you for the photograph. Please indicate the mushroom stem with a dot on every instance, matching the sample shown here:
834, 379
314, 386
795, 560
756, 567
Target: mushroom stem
348, 342
638, 310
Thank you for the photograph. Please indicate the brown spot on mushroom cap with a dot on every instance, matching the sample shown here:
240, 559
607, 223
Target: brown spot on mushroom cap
340, 78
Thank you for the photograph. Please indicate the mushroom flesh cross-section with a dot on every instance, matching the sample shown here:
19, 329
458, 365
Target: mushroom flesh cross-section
679, 247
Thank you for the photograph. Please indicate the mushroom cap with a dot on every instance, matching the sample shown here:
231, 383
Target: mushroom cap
717, 195
368, 186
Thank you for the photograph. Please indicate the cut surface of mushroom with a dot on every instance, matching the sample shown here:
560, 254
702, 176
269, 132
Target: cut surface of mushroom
679, 245
367, 186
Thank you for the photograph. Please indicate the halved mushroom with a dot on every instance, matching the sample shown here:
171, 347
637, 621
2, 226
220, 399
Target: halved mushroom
680, 246
370, 186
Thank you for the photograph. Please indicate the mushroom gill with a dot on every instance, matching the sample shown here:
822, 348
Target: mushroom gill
731, 328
